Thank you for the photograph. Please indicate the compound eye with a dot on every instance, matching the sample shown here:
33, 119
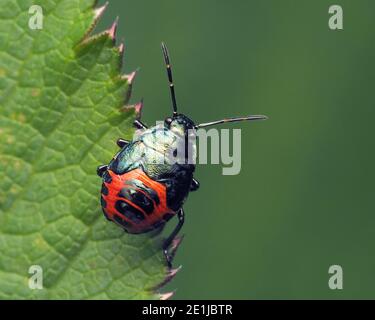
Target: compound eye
168, 121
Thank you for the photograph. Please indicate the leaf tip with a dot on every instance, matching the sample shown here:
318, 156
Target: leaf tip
168, 278
112, 30
121, 48
130, 77
166, 296
172, 273
138, 107
175, 245
98, 12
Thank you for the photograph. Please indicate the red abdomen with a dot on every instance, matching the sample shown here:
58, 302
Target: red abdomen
135, 201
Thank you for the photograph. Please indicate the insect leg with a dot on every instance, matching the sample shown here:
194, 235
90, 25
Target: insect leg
139, 125
194, 185
122, 143
168, 241
101, 169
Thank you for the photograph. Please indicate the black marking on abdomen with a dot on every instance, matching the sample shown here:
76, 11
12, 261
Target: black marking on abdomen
104, 190
158, 224
107, 177
140, 185
129, 211
138, 198
168, 216
103, 202
121, 221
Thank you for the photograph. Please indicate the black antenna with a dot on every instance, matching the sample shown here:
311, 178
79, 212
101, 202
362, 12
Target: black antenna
169, 72
249, 118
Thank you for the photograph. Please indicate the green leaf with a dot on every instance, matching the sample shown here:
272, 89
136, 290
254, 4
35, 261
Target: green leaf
61, 93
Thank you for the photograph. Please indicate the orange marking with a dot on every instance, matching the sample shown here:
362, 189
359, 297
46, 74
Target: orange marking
118, 183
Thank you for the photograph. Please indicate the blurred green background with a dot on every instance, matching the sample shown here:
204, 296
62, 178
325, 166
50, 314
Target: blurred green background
304, 199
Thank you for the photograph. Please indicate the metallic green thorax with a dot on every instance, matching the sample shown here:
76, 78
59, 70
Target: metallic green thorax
166, 153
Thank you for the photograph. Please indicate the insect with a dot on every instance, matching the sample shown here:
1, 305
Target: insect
141, 191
